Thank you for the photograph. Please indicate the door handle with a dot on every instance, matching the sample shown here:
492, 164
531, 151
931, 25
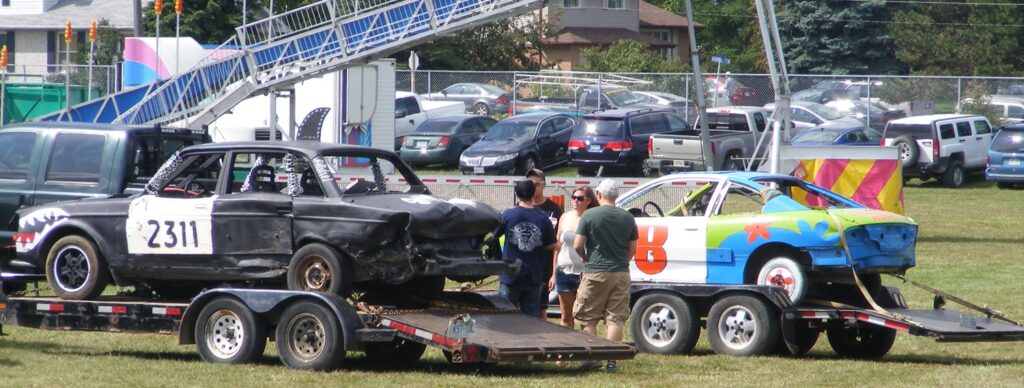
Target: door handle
691, 229
283, 208
963, 140
979, 138
411, 121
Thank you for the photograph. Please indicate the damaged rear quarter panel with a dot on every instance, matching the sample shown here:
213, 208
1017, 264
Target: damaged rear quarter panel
376, 239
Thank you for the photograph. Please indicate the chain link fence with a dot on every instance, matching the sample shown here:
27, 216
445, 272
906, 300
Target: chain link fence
913, 95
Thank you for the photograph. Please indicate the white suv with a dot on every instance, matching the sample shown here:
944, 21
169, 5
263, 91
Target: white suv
943, 146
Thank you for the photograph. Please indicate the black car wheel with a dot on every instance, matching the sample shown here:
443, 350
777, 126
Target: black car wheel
954, 175
481, 109
319, 268
862, 340
75, 270
528, 163
742, 325
227, 332
400, 351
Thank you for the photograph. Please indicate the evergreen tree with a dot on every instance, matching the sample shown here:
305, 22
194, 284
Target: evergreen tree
730, 28
825, 37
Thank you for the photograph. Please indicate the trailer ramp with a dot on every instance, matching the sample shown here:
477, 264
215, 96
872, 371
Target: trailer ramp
939, 324
502, 336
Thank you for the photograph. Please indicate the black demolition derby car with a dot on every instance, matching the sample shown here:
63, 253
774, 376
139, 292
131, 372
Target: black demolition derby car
320, 217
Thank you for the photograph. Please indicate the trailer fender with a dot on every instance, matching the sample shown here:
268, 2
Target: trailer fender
262, 302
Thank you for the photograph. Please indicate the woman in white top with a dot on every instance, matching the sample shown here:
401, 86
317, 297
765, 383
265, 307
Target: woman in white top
569, 264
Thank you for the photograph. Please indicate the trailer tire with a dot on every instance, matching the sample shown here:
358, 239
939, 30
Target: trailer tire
806, 337
865, 340
398, 352
227, 332
309, 336
664, 324
319, 268
74, 269
742, 325
787, 273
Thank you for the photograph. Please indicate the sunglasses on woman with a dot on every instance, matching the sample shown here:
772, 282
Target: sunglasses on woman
578, 198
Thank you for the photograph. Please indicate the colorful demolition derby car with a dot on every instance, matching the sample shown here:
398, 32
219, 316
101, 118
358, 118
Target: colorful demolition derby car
263, 213
749, 228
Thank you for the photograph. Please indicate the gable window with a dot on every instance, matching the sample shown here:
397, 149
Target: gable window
571, 3
617, 4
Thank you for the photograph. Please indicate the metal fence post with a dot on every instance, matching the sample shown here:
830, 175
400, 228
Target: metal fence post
869, 103
959, 92
430, 74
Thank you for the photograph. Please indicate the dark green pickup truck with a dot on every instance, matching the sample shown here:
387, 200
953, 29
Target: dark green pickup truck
50, 162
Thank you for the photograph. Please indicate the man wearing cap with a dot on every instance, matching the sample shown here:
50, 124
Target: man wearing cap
606, 240
529, 238
553, 212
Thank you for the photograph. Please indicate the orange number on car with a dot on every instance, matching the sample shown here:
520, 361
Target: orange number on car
650, 248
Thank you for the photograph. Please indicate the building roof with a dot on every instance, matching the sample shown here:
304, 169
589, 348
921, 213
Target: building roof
654, 16
80, 12
602, 36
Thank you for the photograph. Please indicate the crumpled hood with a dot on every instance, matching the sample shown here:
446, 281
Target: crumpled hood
493, 147
434, 217
853, 217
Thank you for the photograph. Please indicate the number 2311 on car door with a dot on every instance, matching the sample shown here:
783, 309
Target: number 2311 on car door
175, 226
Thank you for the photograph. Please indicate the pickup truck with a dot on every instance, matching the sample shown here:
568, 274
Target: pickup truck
411, 110
49, 162
611, 98
734, 132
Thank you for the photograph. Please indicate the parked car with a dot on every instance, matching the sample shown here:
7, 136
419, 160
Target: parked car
750, 228
809, 115
410, 110
831, 90
219, 213
520, 143
734, 132
611, 97
441, 140
1006, 156
480, 99
618, 139
851, 136
682, 106
741, 95
944, 146
1009, 108
41, 163
873, 114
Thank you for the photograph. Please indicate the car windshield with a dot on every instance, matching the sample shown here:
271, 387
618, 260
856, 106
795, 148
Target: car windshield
366, 172
816, 136
623, 97
492, 89
824, 111
599, 127
511, 130
437, 126
1008, 141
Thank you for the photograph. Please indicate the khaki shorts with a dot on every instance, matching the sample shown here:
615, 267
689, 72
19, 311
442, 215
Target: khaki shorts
603, 295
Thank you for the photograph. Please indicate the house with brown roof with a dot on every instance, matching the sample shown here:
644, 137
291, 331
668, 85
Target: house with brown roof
589, 23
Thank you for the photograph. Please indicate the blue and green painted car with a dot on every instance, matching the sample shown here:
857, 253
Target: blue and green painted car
746, 228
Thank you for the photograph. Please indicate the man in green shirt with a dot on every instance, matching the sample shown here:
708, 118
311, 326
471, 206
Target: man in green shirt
606, 240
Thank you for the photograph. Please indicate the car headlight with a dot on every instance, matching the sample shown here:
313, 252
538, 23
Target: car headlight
506, 157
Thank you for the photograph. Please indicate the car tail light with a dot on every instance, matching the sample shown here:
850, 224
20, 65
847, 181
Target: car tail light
403, 141
881, 142
577, 145
935, 148
502, 100
619, 145
444, 141
650, 147
988, 161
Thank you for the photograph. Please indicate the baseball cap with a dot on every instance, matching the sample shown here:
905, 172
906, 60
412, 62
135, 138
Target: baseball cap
608, 188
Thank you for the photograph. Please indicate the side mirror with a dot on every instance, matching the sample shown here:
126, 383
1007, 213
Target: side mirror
399, 113
445, 93
543, 138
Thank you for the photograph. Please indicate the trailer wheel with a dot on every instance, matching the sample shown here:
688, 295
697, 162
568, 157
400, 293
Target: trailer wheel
75, 270
397, 352
861, 341
742, 325
805, 337
787, 273
227, 332
319, 268
664, 324
309, 337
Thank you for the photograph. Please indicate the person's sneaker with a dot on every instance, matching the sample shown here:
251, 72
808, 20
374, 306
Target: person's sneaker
590, 365
611, 367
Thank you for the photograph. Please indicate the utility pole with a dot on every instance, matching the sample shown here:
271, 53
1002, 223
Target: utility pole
779, 75
705, 137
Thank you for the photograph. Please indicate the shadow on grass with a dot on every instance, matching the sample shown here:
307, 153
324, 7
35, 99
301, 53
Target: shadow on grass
912, 359
8, 363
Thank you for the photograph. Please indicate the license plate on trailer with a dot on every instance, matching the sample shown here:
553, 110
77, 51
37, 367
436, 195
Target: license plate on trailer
1013, 162
595, 148
461, 326
478, 170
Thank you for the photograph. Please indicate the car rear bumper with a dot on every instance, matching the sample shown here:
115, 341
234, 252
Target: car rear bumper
928, 169
430, 156
1006, 178
474, 266
619, 162
669, 166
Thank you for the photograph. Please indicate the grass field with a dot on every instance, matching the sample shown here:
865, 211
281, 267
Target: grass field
971, 243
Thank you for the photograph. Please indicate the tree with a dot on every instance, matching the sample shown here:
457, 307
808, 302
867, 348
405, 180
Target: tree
627, 56
508, 44
730, 28
933, 39
825, 37
211, 21
109, 46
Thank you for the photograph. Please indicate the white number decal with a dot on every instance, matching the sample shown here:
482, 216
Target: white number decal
173, 226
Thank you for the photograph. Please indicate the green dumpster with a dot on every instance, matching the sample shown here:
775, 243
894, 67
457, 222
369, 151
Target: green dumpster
26, 101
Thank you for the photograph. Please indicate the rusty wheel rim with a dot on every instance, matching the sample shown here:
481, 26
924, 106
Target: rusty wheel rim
315, 274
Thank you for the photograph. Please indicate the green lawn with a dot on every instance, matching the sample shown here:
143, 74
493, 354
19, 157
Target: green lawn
971, 244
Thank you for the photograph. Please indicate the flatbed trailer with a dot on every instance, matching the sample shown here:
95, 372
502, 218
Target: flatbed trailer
314, 331
749, 320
